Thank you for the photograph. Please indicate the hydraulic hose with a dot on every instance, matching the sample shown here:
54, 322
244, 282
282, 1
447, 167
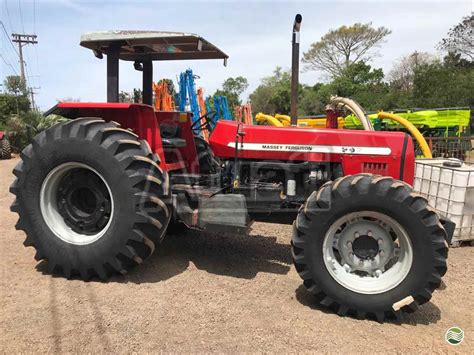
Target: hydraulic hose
355, 108
412, 129
270, 120
283, 119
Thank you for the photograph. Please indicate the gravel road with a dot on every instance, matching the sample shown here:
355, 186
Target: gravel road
205, 292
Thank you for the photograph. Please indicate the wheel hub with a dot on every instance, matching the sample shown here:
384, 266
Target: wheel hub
76, 203
367, 252
365, 247
83, 201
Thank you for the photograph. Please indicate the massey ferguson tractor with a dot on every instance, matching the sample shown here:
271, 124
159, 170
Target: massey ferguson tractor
96, 194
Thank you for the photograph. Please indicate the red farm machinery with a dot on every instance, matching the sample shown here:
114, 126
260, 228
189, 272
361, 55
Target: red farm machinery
96, 194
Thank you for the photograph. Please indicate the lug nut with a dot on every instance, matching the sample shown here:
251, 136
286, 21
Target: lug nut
351, 255
381, 253
349, 244
378, 273
380, 241
356, 235
369, 233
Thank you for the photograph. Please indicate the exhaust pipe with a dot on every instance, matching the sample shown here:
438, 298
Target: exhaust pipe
295, 63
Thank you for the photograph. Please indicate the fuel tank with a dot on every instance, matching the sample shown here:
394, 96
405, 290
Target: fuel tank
384, 153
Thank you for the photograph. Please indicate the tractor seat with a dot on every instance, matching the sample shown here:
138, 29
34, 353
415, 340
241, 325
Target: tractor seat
171, 143
170, 136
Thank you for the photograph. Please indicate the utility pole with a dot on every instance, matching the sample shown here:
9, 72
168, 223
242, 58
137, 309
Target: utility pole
22, 41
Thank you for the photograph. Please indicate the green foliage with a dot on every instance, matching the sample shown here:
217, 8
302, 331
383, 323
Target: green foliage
15, 86
232, 88
11, 104
446, 84
16, 117
273, 95
340, 48
15, 100
403, 72
21, 129
432, 84
358, 81
131, 97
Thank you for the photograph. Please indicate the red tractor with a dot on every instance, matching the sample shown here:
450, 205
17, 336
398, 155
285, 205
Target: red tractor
96, 194
5, 148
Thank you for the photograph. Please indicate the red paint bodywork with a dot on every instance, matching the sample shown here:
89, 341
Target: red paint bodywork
389, 165
2, 134
145, 122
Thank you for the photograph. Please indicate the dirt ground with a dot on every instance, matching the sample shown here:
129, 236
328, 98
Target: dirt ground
202, 292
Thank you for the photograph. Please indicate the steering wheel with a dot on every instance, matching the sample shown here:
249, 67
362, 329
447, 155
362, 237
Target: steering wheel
208, 123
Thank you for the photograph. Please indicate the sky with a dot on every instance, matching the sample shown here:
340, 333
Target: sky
255, 34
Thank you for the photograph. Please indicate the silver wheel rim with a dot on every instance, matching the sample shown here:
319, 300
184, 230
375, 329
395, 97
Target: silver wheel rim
49, 206
352, 259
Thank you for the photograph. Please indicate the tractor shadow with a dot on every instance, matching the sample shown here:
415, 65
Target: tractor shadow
425, 315
235, 256
221, 254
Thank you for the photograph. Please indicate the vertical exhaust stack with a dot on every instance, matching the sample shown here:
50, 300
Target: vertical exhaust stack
295, 67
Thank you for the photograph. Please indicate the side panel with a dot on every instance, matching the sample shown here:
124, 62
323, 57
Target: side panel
385, 153
141, 119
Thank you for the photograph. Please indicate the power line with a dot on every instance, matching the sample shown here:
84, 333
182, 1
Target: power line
9, 39
21, 16
7, 63
34, 17
10, 58
9, 18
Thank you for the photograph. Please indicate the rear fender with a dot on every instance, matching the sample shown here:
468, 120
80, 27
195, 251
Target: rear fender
141, 119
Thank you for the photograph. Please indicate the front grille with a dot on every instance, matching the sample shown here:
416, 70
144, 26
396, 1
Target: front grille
375, 168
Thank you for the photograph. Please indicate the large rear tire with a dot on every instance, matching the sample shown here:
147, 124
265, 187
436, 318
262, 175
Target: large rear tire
368, 246
5, 149
91, 198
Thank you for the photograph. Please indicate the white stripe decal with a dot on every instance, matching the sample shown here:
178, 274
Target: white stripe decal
308, 148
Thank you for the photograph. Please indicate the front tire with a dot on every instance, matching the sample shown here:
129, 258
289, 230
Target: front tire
368, 246
91, 198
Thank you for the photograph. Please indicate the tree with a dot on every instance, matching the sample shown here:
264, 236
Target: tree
15, 86
362, 83
340, 48
232, 88
403, 72
460, 39
15, 100
273, 94
444, 84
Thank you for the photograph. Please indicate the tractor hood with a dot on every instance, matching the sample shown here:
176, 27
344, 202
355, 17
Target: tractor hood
385, 153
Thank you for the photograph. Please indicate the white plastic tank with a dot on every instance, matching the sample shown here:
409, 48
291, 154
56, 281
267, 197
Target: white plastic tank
448, 184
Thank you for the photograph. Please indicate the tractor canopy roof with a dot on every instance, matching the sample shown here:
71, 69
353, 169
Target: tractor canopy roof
151, 45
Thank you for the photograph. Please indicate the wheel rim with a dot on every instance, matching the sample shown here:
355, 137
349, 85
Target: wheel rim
367, 252
76, 203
